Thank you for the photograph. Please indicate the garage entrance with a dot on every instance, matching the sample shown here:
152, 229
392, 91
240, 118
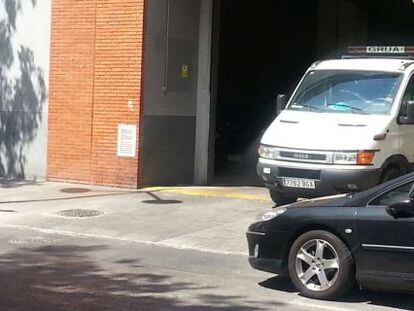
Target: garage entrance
264, 47
213, 70
263, 50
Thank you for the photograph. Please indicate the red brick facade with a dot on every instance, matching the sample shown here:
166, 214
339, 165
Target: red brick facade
95, 85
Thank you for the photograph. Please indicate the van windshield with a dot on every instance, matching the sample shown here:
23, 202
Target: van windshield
342, 91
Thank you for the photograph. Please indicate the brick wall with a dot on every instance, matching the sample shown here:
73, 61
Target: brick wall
95, 85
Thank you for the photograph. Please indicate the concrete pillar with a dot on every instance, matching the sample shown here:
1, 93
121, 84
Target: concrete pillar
203, 94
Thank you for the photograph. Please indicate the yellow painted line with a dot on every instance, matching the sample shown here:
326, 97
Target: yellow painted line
155, 189
209, 193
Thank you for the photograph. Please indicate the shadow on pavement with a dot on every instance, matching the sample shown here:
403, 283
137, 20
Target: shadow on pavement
158, 200
9, 184
280, 283
65, 278
386, 299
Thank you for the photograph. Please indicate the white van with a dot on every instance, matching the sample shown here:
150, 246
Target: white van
348, 126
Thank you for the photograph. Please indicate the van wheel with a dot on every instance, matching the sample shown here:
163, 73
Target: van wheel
279, 198
390, 174
321, 265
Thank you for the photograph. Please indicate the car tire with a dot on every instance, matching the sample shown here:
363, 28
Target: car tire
321, 265
390, 174
279, 198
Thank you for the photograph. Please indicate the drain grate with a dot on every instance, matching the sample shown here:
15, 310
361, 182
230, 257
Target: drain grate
79, 213
75, 190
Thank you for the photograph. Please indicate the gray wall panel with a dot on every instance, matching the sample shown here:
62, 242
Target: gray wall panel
169, 122
168, 147
181, 95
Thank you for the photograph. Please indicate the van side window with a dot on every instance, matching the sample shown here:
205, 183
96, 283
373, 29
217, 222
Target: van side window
408, 95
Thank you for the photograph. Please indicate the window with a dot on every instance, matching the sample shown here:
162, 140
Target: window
342, 91
408, 96
399, 194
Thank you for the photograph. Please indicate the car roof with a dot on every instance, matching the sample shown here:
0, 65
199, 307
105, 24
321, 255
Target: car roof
368, 64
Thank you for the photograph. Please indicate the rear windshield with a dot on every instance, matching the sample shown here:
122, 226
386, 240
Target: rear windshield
342, 91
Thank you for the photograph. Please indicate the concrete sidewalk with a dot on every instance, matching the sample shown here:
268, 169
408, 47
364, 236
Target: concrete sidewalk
20, 192
179, 217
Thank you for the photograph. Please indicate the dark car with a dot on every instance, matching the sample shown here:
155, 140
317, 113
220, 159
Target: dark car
329, 243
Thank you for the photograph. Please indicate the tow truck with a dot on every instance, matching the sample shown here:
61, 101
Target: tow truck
348, 126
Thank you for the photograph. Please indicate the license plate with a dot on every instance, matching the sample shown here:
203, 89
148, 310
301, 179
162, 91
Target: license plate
299, 183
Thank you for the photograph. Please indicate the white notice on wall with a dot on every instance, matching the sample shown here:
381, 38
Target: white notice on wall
127, 140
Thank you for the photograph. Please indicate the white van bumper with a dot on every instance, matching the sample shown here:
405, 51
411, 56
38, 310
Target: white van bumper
319, 179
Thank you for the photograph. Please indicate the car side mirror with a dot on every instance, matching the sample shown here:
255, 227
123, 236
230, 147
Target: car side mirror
409, 118
280, 103
404, 209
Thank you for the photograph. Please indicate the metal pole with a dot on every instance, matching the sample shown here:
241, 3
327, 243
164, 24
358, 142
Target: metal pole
167, 45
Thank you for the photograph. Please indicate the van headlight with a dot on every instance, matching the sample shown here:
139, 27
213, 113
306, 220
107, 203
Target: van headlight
354, 158
345, 158
273, 214
267, 152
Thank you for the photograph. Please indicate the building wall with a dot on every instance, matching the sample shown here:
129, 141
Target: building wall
24, 76
96, 61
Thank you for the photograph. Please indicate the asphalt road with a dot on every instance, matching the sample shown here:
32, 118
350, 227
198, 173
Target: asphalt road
187, 253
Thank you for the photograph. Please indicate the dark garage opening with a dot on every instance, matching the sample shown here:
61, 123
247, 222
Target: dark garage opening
389, 22
264, 47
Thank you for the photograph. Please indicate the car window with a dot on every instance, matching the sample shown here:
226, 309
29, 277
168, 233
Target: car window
396, 195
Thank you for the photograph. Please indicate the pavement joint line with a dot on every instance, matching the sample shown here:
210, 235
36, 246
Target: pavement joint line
209, 193
96, 236
91, 196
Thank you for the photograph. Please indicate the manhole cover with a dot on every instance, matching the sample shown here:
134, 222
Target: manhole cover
75, 190
80, 213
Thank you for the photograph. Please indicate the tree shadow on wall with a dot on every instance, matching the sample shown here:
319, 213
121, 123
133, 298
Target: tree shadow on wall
22, 95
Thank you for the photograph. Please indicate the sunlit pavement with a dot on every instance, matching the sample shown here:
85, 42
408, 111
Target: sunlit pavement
153, 249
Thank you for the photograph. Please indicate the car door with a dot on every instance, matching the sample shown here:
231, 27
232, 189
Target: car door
386, 243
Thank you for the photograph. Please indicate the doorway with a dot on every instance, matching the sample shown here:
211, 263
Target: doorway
263, 49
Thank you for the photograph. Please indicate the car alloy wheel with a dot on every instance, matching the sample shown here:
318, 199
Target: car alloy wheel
320, 265
317, 265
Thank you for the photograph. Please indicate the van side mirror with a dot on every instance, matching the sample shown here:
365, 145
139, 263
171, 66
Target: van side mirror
409, 118
280, 103
403, 209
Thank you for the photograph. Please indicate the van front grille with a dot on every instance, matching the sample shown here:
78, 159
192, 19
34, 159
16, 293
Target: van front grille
303, 156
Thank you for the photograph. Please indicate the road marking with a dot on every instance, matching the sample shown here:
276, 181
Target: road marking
209, 192
97, 236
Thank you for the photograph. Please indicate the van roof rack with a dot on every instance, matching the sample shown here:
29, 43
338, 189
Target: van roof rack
395, 52
402, 57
